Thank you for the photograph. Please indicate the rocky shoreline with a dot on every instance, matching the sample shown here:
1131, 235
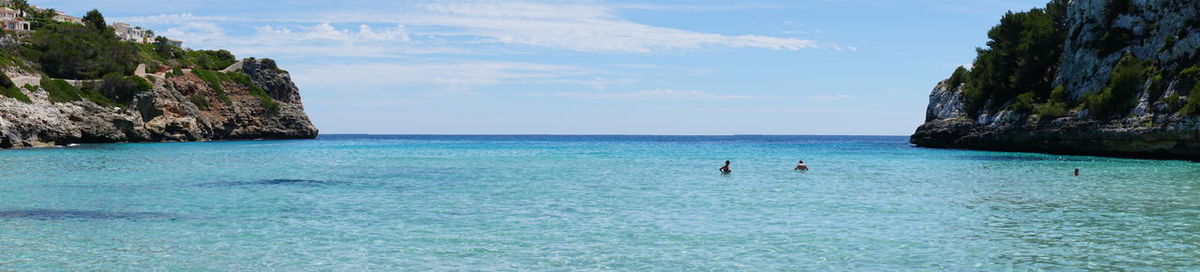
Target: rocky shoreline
1154, 125
176, 108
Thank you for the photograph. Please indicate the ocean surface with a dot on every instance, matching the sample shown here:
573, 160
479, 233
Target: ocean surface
641, 203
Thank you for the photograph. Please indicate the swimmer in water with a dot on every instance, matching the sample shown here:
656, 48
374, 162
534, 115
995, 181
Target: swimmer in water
801, 166
1076, 172
725, 169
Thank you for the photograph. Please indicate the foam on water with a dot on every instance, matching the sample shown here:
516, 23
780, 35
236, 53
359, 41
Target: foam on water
589, 202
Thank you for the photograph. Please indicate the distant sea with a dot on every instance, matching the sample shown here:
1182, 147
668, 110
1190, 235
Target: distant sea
641, 203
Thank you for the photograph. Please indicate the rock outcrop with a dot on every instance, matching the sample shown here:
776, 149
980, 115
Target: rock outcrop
176, 108
1163, 33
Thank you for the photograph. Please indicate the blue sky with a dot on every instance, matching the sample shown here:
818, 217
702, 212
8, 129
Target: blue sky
862, 67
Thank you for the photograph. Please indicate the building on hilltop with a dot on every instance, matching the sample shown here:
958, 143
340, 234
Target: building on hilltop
130, 33
63, 17
9, 20
175, 43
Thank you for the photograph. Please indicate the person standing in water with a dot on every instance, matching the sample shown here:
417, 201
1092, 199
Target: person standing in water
725, 169
801, 166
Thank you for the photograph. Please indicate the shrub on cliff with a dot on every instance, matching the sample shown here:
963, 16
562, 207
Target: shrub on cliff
263, 97
78, 52
7, 88
1193, 103
60, 91
215, 81
122, 89
1054, 107
210, 59
6, 82
1117, 97
200, 101
1191, 76
957, 78
1024, 103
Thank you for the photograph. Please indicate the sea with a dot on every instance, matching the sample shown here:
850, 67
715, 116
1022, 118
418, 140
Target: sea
593, 203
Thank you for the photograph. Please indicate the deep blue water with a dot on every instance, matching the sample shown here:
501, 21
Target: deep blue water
358, 202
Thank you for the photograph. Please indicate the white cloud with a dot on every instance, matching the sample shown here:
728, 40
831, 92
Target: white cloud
574, 26
585, 27
458, 76
327, 32
661, 94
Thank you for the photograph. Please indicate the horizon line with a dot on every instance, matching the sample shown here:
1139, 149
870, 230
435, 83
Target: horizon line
598, 134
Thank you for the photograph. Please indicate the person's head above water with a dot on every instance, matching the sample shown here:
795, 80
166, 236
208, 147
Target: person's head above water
726, 162
801, 162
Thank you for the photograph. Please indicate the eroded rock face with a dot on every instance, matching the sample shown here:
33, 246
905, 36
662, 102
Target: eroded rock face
1152, 128
945, 103
278, 83
166, 113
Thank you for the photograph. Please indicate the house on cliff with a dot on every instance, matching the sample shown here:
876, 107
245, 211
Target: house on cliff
60, 16
10, 20
131, 33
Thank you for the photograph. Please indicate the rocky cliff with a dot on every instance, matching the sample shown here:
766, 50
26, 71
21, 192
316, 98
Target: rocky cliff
180, 106
1124, 83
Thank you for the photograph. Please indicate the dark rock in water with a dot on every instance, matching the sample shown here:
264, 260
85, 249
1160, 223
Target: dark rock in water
270, 182
51, 214
1165, 35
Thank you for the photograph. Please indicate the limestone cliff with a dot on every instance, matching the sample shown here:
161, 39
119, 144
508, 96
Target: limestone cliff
177, 107
1153, 116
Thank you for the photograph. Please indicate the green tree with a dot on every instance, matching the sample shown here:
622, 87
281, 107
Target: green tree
958, 77
21, 6
95, 20
1022, 56
80, 52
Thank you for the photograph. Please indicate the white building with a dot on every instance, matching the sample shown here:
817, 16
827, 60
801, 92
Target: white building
131, 34
9, 20
63, 17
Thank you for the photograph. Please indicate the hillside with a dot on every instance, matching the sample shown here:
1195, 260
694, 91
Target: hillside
66, 83
1094, 77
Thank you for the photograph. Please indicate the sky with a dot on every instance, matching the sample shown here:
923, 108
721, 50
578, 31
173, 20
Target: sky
800, 67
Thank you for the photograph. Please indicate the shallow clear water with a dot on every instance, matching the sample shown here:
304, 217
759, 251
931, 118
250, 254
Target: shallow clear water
589, 202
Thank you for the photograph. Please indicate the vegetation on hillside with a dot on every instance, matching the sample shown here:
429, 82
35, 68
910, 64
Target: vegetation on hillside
7, 88
1118, 96
73, 51
62, 92
92, 51
1017, 68
217, 81
1191, 77
1021, 59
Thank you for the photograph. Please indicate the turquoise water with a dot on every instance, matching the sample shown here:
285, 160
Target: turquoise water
589, 203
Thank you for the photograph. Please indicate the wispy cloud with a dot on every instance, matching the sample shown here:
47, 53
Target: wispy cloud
694, 7
574, 26
661, 94
586, 27
457, 76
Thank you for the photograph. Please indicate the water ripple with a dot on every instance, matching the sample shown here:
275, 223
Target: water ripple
55, 214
